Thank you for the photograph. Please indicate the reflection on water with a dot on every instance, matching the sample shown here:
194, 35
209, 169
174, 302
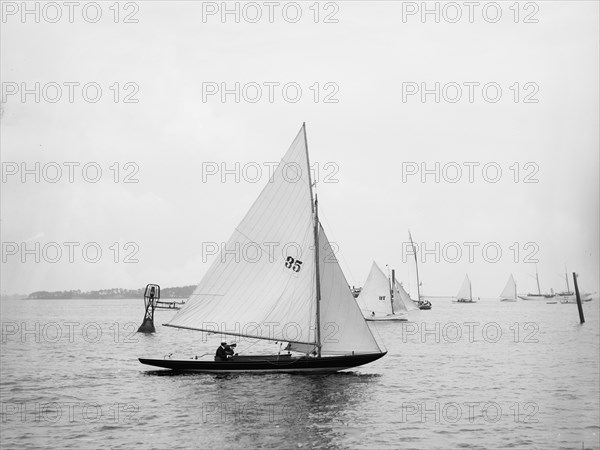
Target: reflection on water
488, 375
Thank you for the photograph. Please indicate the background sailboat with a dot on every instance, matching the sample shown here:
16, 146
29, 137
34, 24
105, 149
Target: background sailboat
568, 296
408, 303
539, 295
465, 294
379, 299
509, 294
303, 290
421, 302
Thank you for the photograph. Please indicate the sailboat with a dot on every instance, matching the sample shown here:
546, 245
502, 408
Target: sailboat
509, 294
539, 295
465, 294
301, 287
379, 299
421, 302
568, 296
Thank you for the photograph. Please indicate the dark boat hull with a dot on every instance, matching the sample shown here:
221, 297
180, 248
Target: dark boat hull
261, 364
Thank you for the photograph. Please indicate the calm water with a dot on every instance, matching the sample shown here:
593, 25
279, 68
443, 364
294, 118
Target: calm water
71, 379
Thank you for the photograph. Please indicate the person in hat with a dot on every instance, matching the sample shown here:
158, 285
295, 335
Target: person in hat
224, 351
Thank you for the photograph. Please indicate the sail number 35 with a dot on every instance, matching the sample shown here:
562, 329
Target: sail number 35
293, 264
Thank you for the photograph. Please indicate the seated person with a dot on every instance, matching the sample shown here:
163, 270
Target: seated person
224, 351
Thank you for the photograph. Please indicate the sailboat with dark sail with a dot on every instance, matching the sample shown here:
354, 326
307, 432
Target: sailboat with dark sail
303, 286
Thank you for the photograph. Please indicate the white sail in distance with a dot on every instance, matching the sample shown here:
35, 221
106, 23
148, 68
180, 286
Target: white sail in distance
465, 290
397, 303
510, 290
405, 298
375, 296
272, 295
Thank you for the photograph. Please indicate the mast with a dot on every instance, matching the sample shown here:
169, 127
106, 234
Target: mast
317, 278
416, 267
567, 279
392, 289
315, 209
470, 289
537, 279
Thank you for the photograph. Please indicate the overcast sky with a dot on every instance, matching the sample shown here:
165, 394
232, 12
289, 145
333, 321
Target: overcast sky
366, 130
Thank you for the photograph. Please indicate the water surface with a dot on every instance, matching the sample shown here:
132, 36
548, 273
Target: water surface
484, 375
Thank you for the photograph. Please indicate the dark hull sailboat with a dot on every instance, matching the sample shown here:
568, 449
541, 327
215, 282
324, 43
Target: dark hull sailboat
299, 296
267, 364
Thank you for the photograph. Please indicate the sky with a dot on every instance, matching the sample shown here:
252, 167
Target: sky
134, 178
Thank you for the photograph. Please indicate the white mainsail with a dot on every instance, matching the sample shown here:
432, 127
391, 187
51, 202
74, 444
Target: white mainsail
264, 284
510, 290
465, 290
405, 299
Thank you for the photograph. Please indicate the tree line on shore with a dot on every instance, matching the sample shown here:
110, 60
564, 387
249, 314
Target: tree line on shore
114, 293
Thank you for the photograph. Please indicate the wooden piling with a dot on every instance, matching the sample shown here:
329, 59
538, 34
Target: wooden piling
577, 296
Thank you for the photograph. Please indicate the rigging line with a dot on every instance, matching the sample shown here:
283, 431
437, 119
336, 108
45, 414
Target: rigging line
379, 341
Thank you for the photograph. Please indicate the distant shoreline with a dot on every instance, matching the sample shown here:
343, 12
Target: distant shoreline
169, 293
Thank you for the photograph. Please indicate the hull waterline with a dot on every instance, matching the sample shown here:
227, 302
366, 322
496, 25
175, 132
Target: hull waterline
266, 364
390, 318
533, 297
571, 298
